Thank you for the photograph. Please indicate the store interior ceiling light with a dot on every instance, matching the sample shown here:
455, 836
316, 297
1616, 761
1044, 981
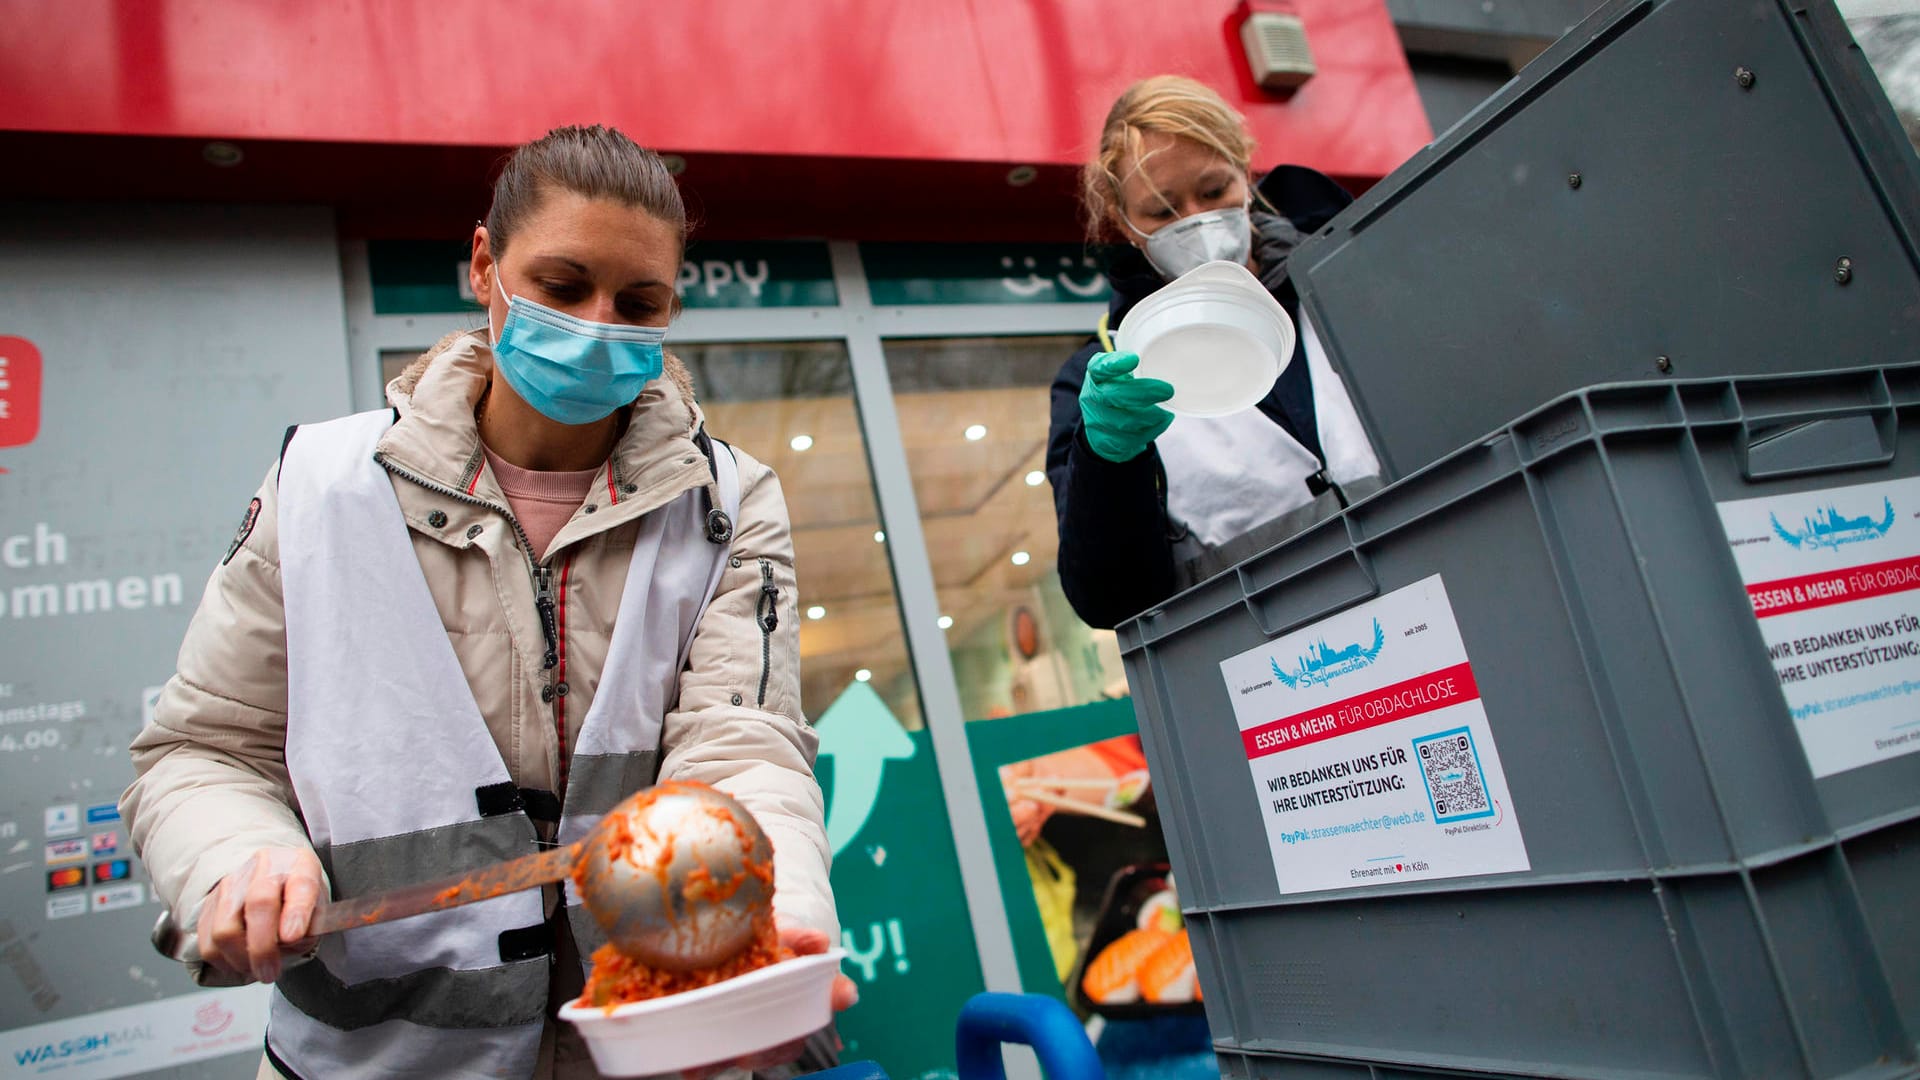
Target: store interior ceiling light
1036, 478
1021, 558
976, 432
816, 612
802, 442
879, 536
862, 675
946, 622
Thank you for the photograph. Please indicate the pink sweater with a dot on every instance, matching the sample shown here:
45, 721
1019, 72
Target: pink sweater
542, 501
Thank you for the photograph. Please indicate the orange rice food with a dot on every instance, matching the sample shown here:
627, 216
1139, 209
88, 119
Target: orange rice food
620, 979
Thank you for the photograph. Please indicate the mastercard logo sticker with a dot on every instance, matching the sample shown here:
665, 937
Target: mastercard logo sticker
71, 877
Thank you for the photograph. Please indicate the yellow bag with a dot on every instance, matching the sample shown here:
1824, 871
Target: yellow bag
1053, 890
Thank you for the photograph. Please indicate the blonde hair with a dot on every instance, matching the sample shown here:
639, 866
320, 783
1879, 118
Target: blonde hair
1169, 104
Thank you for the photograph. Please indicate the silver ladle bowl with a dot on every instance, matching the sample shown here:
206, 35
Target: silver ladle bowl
674, 889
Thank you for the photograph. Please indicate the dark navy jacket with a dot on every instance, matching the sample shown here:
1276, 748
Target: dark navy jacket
1116, 542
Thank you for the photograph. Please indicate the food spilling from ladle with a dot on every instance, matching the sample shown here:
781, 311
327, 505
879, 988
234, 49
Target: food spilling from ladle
680, 877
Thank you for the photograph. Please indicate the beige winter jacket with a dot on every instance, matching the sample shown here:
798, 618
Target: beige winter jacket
211, 781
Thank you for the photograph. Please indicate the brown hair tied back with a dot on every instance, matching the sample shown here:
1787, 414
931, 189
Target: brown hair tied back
596, 162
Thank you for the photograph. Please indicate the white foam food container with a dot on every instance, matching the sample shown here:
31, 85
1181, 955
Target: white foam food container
1215, 334
744, 1015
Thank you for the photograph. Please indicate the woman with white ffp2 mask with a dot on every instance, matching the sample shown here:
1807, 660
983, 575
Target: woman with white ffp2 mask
1196, 239
1149, 503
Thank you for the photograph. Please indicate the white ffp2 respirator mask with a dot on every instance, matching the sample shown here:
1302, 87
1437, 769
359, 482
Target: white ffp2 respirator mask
1179, 246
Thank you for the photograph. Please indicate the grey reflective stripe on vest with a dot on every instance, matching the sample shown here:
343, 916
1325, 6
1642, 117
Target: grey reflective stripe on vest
505, 996
368, 866
304, 1050
596, 782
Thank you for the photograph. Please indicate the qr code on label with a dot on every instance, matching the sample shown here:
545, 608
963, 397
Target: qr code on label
1451, 767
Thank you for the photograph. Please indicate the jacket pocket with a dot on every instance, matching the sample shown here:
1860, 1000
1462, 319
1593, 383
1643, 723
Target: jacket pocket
767, 616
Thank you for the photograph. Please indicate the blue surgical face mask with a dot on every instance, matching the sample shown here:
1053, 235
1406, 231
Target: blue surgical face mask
571, 370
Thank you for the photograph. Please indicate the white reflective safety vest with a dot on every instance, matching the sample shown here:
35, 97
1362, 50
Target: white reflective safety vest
1227, 475
399, 779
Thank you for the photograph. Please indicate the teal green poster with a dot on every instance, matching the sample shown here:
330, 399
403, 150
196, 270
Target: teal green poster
896, 879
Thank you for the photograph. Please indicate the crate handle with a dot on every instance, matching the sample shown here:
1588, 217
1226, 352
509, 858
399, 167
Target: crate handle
1333, 589
1798, 446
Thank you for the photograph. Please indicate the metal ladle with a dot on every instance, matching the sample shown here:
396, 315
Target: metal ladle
677, 876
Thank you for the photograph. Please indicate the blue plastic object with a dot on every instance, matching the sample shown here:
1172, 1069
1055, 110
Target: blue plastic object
1158, 1048
990, 1019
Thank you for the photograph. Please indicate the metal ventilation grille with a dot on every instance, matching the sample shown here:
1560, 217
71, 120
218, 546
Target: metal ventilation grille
1277, 49
1284, 43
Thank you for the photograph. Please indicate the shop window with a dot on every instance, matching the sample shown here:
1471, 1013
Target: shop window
790, 404
974, 414
1071, 813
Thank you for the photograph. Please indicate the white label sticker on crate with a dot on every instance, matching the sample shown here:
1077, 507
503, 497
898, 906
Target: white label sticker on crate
1370, 750
1834, 577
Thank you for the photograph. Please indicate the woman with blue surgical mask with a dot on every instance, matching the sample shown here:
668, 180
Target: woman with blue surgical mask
460, 629
1149, 503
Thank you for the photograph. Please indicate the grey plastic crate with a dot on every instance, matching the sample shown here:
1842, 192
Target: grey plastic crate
1627, 198
1698, 904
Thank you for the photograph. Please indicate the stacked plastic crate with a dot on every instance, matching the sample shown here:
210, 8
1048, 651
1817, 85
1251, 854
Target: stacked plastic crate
1590, 745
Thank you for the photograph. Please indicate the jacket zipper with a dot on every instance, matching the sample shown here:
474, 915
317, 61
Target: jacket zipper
560, 683
542, 574
543, 603
767, 614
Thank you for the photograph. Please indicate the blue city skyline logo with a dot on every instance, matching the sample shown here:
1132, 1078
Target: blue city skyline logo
1829, 528
1321, 664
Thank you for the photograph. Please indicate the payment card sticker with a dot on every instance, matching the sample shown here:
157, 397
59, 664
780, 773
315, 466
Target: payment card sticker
1834, 579
1370, 751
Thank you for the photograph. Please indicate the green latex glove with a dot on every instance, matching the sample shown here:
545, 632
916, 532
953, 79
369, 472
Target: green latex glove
1121, 414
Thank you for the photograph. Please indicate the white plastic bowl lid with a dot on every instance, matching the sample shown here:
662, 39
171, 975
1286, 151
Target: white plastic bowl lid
744, 1015
1215, 334
1222, 272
